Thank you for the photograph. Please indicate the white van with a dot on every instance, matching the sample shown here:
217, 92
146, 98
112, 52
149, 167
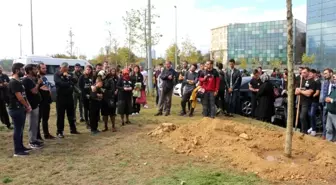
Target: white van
52, 64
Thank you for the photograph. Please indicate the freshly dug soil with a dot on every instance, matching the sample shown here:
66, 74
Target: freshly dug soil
253, 148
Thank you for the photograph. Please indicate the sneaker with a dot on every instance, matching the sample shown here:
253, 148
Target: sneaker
60, 135
137, 113
40, 140
133, 114
39, 143
146, 106
50, 137
35, 146
313, 133
310, 130
167, 114
9, 127
82, 120
21, 154
182, 114
95, 132
74, 132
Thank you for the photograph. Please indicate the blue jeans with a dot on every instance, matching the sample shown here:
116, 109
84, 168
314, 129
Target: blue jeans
19, 118
209, 106
312, 115
324, 119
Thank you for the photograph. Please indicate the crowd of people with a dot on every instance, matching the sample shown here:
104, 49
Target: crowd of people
105, 91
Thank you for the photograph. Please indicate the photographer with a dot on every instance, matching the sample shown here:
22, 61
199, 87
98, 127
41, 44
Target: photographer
96, 97
44, 109
31, 84
4, 80
64, 101
77, 94
85, 83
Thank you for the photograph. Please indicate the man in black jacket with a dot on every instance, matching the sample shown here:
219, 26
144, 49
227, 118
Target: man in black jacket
233, 82
168, 76
64, 101
220, 98
4, 80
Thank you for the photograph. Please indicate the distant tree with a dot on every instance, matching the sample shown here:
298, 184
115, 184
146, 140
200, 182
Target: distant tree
276, 63
126, 56
243, 63
170, 53
308, 60
83, 57
205, 57
189, 51
63, 56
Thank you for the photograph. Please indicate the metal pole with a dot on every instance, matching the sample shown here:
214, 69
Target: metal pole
146, 43
31, 26
175, 36
20, 25
150, 65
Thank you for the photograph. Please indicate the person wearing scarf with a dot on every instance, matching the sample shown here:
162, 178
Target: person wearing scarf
125, 88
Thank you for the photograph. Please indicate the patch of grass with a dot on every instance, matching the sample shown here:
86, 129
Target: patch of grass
200, 176
7, 180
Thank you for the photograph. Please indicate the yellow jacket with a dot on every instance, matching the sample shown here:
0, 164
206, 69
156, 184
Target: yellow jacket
193, 97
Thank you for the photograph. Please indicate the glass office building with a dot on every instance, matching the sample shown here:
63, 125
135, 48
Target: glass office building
321, 32
264, 41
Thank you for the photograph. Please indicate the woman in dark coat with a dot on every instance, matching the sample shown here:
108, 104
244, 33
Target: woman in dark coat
265, 96
115, 77
125, 88
108, 108
137, 78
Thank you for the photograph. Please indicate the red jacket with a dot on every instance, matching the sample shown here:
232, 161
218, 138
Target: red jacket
211, 83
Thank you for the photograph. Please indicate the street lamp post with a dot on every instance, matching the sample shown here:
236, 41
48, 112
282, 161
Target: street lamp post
31, 25
175, 36
150, 64
20, 25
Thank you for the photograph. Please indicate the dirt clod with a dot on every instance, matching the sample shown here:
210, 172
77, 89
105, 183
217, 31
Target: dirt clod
263, 153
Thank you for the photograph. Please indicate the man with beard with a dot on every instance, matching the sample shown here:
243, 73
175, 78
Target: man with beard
64, 101
18, 106
77, 94
325, 91
233, 82
181, 78
32, 84
305, 92
4, 80
44, 109
254, 86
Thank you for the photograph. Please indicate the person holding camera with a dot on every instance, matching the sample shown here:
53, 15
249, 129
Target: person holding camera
44, 109
4, 80
77, 95
64, 101
32, 84
85, 83
96, 97
18, 106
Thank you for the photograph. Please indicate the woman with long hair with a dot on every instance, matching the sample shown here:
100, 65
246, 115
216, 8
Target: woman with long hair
85, 83
108, 108
137, 80
125, 88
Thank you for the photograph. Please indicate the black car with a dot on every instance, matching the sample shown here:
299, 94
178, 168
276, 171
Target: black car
246, 94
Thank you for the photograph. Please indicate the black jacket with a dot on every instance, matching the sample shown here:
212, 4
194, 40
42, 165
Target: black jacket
109, 88
236, 79
85, 84
64, 84
168, 84
138, 79
4, 92
222, 84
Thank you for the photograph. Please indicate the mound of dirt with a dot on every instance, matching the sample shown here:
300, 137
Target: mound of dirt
253, 149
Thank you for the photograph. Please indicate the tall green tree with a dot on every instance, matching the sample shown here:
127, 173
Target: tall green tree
126, 56
189, 51
170, 53
290, 87
308, 60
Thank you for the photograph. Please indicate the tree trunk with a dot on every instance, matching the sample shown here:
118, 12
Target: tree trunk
290, 87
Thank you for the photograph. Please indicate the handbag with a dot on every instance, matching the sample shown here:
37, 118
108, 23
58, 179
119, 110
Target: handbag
142, 98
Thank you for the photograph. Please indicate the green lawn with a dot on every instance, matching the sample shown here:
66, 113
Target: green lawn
128, 156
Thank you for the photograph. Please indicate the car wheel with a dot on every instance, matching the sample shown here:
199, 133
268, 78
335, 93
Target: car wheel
246, 108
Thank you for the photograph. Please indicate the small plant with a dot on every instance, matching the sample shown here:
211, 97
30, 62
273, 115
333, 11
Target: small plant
7, 180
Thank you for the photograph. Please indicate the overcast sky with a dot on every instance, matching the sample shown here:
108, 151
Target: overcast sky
53, 19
